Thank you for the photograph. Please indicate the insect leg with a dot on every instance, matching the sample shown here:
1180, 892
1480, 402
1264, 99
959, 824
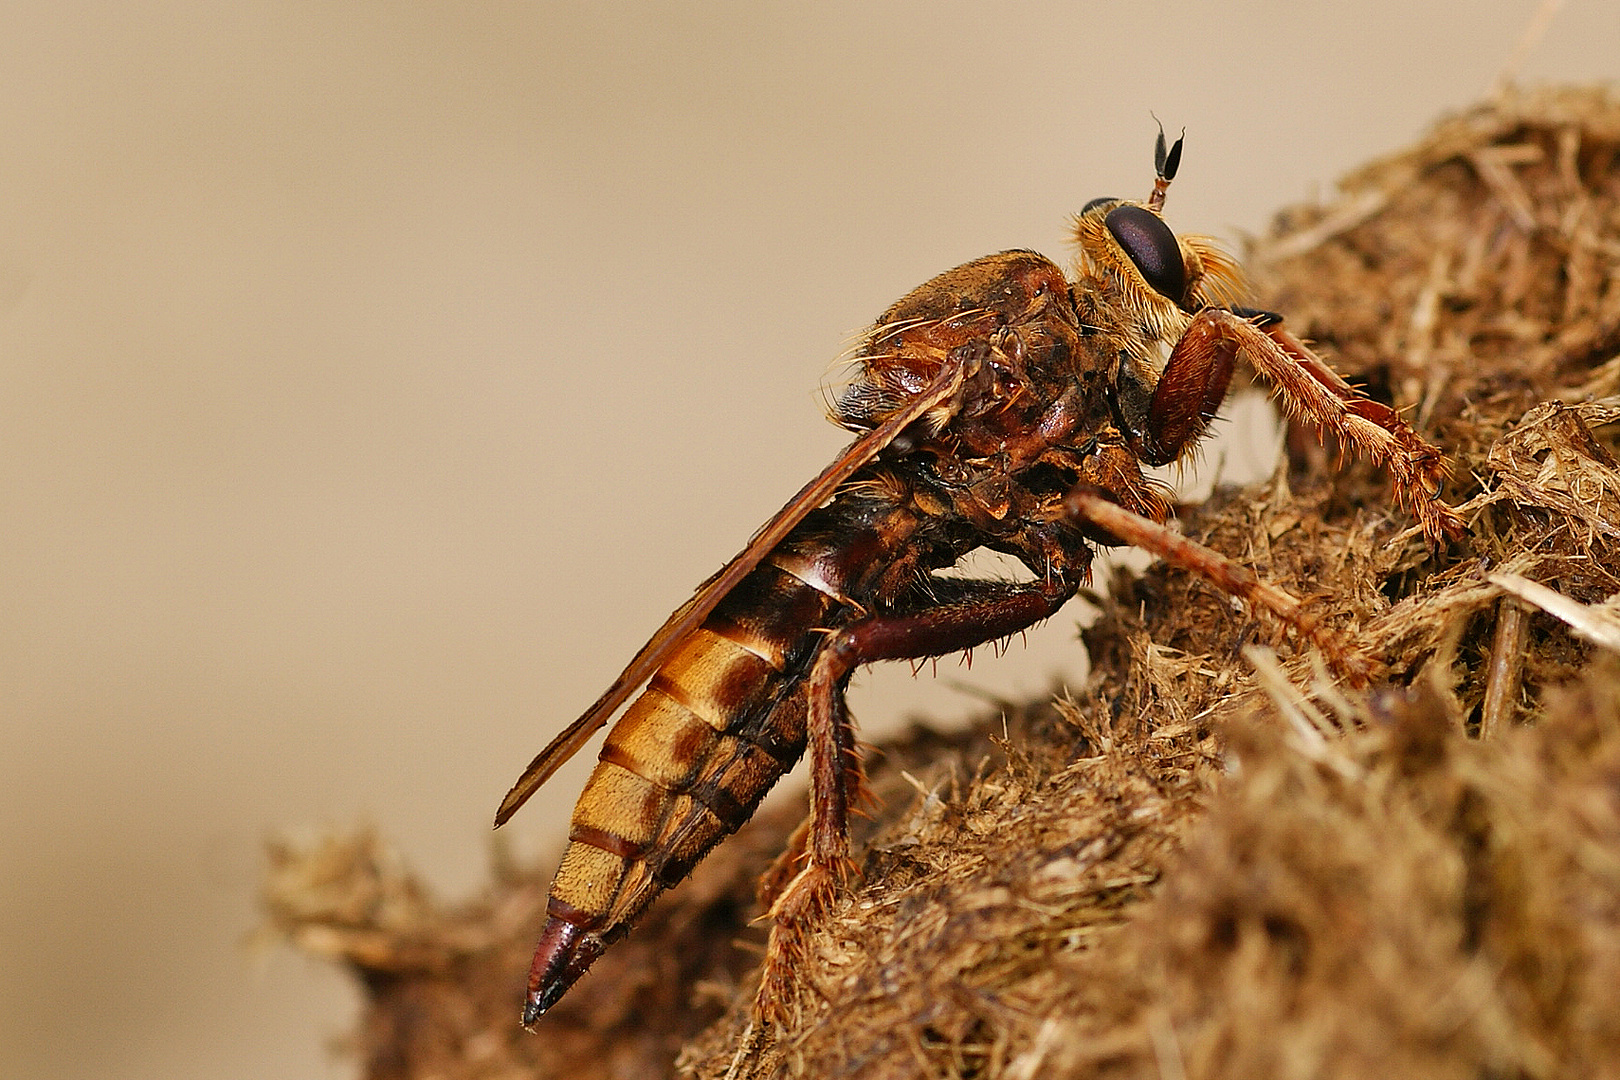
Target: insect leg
964, 614
1311, 391
1088, 507
1370, 427
1188, 394
960, 615
1195, 380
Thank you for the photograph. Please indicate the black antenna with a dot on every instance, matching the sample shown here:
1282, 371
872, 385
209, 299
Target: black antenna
1165, 164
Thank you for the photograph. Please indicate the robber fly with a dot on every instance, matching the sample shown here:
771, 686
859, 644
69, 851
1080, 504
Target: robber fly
999, 405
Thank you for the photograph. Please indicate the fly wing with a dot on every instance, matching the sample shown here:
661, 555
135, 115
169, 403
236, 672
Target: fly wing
690, 615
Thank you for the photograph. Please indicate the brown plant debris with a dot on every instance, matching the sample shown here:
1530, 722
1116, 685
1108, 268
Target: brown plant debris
1213, 861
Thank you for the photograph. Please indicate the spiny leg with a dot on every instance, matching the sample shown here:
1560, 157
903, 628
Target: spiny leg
963, 614
1312, 391
1194, 382
835, 772
1089, 507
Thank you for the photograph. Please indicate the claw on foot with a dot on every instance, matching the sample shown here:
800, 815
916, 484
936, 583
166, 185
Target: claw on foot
806, 900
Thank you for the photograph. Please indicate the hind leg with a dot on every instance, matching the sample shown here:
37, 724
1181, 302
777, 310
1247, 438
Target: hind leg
965, 614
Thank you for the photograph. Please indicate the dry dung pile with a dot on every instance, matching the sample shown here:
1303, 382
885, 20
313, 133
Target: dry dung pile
1214, 861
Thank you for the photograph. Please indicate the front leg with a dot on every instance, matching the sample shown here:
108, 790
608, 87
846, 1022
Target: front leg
1312, 391
960, 614
1163, 425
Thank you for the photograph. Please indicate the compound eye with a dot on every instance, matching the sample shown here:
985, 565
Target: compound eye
1152, 247
1094, 203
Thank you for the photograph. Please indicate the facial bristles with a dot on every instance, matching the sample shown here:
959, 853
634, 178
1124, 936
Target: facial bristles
1220, 281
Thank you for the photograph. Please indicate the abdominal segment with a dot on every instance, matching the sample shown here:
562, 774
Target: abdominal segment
684, 767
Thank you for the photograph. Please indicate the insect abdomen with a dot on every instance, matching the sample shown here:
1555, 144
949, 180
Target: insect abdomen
686, 764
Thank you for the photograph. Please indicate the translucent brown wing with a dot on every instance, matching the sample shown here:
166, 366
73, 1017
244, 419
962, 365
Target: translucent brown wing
690, 615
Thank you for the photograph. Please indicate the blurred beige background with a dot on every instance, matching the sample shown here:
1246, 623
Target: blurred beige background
374, 377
